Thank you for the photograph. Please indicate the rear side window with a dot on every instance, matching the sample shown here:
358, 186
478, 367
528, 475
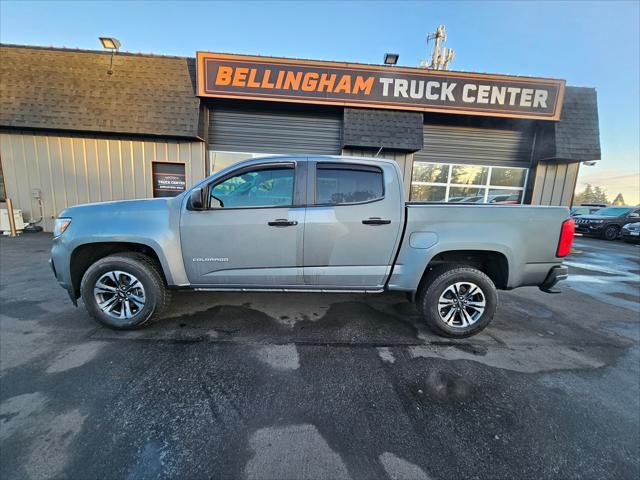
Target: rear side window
339, 185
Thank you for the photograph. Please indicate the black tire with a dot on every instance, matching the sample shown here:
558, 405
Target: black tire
437, 281
611, 232
145, 270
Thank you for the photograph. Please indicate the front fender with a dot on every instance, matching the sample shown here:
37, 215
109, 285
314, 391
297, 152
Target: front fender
153, 223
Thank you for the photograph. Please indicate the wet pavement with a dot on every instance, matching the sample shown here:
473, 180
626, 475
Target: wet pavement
322, 386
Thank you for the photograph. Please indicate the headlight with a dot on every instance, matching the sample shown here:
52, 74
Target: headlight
597, 221
60, 226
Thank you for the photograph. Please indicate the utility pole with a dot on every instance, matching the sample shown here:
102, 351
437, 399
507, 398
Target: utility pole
441, 57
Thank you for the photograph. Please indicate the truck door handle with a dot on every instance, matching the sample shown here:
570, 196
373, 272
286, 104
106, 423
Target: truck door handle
282, 222
376, 221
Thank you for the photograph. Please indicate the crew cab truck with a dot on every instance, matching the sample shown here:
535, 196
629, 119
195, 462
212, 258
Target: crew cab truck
307, 224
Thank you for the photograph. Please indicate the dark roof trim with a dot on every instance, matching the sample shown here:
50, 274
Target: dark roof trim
98, 52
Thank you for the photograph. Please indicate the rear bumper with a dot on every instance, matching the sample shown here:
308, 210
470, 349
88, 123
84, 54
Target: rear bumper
555, 275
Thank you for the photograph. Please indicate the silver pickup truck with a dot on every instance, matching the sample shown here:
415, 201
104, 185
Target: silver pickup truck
307, 224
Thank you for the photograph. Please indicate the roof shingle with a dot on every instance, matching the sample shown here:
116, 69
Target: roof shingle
71, 90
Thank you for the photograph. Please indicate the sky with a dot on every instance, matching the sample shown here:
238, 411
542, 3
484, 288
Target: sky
592, 44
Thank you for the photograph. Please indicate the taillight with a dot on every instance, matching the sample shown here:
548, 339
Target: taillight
566, 238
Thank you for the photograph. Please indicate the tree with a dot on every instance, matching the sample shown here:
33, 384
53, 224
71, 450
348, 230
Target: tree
619, 200
591, 195
599, 195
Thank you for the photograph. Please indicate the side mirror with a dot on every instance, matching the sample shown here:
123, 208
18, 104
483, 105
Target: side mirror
634, 215
196, 199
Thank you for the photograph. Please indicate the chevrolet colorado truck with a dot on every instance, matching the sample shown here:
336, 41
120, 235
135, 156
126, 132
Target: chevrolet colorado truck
307, 224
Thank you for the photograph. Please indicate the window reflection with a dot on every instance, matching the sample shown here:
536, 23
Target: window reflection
341, 186
506, 197
265, 187
427, 193
469, 175
467, 183
466, 194
507, 177
430, 172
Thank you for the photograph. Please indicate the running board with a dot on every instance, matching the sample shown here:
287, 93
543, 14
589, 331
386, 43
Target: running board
288, 290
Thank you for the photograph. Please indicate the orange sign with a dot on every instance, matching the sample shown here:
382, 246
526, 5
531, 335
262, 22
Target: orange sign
399, 88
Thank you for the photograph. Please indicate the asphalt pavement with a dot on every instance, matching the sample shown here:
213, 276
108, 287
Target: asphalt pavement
289, 386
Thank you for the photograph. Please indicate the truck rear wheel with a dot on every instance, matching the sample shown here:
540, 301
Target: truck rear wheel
124, 291
457, 301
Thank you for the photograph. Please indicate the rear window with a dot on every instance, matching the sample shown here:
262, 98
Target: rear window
339, 185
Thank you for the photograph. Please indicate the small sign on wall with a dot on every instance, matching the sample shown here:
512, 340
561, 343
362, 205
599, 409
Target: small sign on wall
169, 179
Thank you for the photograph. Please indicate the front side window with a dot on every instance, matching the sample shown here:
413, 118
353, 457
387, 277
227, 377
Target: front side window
264, 187
335, 186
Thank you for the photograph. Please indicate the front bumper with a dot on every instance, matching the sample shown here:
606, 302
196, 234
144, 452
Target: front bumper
555, 275
68, 289
589, 228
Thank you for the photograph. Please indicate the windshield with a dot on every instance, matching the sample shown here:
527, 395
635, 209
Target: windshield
613, 211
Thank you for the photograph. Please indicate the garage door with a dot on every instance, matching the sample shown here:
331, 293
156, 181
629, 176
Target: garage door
479, 146
256, 131
477, 165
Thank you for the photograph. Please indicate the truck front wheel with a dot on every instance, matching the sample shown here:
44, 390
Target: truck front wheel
124, 291
457, 301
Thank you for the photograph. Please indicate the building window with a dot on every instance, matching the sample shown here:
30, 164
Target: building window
442, 182
221, 160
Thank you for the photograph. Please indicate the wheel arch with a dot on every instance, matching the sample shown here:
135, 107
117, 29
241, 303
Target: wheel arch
85, 255
492, 263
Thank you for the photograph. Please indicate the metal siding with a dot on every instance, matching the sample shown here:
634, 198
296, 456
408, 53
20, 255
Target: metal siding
71, 170
555, 183
569, 184
253, 131
538, 184
549, 180
558, 184
482, 146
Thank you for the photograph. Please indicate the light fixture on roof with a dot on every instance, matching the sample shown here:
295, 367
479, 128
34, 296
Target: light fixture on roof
113, 44
110, 43
391, 58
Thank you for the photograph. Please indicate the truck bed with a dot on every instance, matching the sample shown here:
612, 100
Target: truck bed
527, 236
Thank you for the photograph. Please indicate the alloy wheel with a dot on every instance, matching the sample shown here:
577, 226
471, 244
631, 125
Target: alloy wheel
461, 304
119, 294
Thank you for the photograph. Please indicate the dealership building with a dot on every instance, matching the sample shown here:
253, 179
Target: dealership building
75, 128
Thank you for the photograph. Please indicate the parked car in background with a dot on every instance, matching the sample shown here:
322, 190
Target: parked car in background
507, 199
631, 232
321, 224
608, 222
587, 209
503, 198
473, 199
